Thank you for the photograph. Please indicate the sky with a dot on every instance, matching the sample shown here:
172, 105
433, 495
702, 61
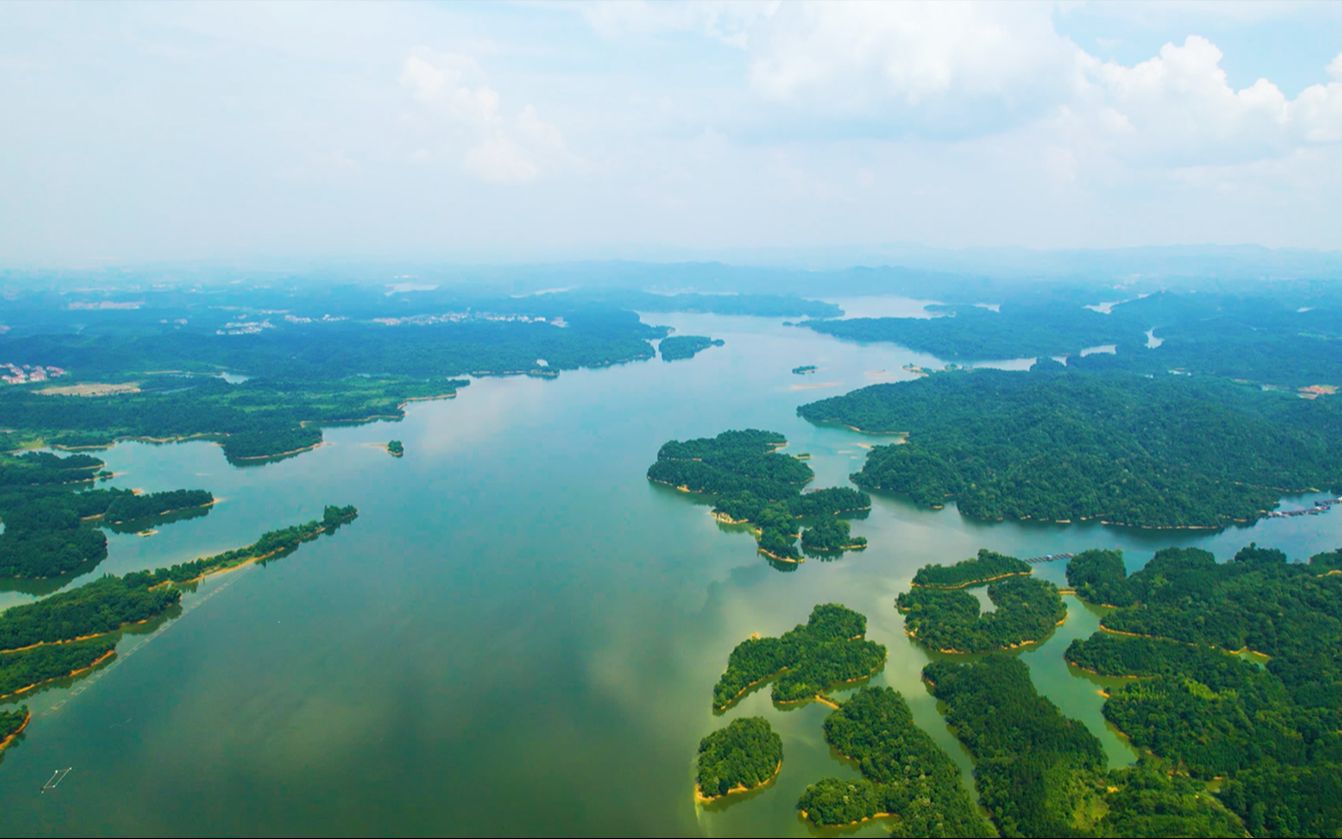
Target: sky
524, 131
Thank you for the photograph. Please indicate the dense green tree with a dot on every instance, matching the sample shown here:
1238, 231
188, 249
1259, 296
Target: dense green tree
827, 650
678, 347
749, 481
1058, 444
904, 773
1100, 577
26, 668
1026, 611
986, 567
745, 754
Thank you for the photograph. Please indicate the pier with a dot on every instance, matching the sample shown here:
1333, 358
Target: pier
1321, 506
1035, 560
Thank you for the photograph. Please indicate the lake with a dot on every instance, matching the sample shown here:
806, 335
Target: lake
520, 634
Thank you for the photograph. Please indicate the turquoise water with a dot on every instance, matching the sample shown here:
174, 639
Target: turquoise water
520, 634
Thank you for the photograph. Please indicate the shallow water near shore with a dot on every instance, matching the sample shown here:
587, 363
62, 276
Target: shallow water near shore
519, 634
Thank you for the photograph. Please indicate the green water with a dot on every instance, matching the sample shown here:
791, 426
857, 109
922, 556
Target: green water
519, 634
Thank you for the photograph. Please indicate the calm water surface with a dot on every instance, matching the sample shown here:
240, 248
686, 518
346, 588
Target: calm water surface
520, 634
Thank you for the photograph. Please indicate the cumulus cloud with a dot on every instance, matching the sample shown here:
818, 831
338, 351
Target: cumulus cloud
1179, 108
856, 56
467, 117
960, 70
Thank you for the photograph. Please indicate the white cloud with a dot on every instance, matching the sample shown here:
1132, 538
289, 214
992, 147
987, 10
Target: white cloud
467, 116
1179, 109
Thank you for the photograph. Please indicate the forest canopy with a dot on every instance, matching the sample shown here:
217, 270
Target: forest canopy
1056, 444
905, 774
750, 482
828, 650
743, 755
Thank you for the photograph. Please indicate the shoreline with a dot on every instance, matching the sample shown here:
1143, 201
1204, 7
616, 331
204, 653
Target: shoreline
78, 671
80, 637
979, 582
700, 798
278, 455
159, 515
4, 744
873, 817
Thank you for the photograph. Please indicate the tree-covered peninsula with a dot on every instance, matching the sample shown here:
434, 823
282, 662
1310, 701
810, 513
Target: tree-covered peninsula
1040, 773
828, 650
24, 670
1064, 445
987, 567
51, 511
744, 755
679, 347
96, 608
12, 721
1272, 735
830, 537
905, 776
1099, 577
131, 507
70, 632
751, 482
948, 620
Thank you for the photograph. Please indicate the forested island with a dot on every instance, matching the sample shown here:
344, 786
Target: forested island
1063, 445
750, 482
678, 347
1041, 774
1274, 733
828, 650
395, 449
745, 755
50, 510
949, 621
905, 776
803, 370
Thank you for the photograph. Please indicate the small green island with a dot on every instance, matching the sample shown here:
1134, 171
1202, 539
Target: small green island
949, 620
829, 650
395, 449
752, 483
680, 347
804, 370
744, 755
906, 777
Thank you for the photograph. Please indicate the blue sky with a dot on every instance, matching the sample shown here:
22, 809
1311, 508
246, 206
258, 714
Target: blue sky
520, 131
